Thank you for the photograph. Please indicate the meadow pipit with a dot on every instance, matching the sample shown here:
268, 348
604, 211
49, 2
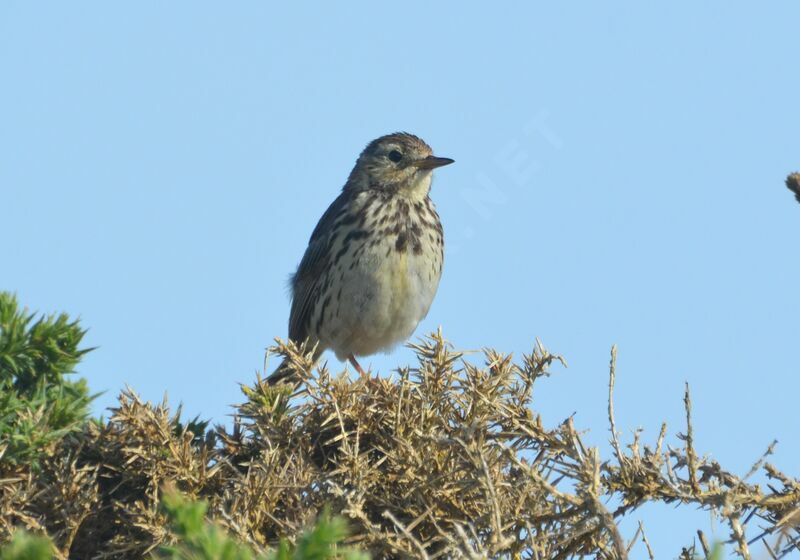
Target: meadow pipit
374, 260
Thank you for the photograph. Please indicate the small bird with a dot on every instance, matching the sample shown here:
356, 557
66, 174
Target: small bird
373, 262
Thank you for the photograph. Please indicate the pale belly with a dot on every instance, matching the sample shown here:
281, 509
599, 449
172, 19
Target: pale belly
383, 300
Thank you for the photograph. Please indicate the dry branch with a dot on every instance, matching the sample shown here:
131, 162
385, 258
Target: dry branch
447, 459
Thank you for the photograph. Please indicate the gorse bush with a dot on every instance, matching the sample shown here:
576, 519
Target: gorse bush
24, 546
196, 539
39, 405
446, 459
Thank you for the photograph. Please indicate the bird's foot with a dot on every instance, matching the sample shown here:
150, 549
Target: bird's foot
359, 369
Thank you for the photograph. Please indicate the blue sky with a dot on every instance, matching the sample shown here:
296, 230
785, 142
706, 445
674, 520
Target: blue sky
618, 180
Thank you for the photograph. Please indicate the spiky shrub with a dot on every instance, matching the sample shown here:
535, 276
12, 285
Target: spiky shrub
445, 459
197, 539
39, 404
194, 538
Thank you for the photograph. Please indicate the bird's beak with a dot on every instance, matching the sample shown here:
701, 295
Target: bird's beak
432, 162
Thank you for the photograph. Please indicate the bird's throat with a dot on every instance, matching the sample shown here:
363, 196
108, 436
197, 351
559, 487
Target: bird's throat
418, 186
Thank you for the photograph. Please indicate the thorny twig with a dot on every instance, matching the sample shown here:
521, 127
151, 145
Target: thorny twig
448, 461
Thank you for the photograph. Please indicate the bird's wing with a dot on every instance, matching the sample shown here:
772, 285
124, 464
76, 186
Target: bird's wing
304, 282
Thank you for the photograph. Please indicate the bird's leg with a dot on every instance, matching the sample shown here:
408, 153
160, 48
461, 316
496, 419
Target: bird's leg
352, 360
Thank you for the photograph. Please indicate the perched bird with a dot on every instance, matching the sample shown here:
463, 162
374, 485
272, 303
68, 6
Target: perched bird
374, 260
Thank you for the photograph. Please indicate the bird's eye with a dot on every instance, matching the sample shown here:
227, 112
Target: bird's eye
395, 156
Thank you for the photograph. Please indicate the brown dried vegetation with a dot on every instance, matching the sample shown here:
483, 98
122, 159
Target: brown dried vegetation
446, 460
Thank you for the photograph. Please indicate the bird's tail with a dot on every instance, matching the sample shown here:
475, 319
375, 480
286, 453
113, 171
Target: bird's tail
285, 374
299, 355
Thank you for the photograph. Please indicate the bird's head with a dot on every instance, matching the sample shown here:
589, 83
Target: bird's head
400, 163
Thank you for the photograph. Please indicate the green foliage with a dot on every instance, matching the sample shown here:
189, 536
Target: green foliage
197, 427
199, 540
320, 542
24, 546
38, 405
263, 398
